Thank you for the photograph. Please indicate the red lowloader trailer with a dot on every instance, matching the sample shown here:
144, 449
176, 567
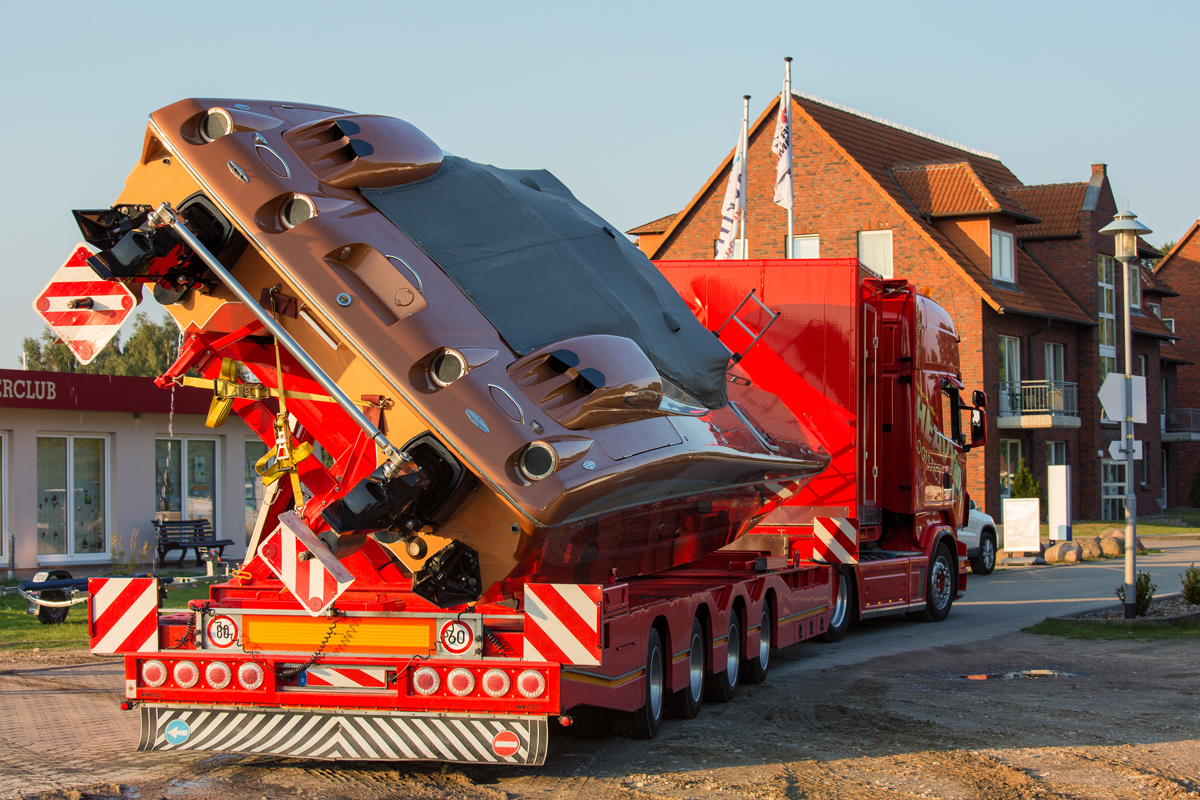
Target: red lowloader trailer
382, 673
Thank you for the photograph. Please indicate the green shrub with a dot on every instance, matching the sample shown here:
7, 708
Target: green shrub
127, 563
1191, 585
1023, 484
1145, 593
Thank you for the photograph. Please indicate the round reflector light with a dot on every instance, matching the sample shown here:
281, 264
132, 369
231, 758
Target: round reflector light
186, 674
215, 124
447, 367
218, 675
426, 680
154, 673
531, 683
296, 210
460, 681
496, 683
538, 460
250, 675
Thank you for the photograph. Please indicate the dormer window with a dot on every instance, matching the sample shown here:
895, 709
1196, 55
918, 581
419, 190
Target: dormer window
1002, 257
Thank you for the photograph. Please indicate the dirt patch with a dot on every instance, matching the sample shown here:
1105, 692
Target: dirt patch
1055, 718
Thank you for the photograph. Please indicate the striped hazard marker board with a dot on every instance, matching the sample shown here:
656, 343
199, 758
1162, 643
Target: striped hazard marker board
344, 677
562, 623
85, 311
306, 566
836, 540
123, 615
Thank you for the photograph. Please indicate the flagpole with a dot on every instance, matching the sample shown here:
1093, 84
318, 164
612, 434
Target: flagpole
787, 98
745, 170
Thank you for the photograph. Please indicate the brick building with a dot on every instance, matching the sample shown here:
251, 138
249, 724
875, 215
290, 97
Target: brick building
1181, 409
1018, 267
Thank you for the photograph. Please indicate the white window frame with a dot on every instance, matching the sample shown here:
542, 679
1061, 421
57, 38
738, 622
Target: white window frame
1106, 267
71, 557
1135, 286
1056, 452
218, 477
1113, 501
1013, 468
1155, 309
1002, 243
885, 270
1056, 361
246, 443
1142, 366
1170, 323
799, 242
737, 248
1007, 405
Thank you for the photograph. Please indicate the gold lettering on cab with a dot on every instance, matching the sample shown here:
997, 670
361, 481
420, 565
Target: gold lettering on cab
21, 389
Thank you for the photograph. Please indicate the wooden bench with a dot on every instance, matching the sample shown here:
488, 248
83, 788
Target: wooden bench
180, 534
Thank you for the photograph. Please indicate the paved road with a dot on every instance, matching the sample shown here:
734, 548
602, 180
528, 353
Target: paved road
61, 727
1004, 602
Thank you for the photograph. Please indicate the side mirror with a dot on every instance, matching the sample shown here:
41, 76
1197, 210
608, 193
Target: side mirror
972, 505
978, 427
979, 398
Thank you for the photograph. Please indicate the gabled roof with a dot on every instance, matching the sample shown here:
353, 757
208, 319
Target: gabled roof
1057, 204
1152, 283
1150, 325
954, 189
659, 225
1168, 351
1183, 240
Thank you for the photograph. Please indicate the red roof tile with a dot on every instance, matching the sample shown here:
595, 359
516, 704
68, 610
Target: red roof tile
1153, 283
1056, 204
659, 225
954, 188
1150, 325
1168, 351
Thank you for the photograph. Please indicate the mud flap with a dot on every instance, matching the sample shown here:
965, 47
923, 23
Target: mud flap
351, 735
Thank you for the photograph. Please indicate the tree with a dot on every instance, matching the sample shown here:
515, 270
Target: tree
150, 350
1023, 484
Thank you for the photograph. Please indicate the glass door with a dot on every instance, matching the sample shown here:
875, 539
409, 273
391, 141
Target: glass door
72, 497
186, 478
1112, 489
1010, 375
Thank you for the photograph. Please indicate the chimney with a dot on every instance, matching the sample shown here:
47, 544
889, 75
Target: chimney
1099, 171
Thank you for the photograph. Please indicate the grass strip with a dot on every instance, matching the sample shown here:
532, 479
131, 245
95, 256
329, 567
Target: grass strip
1069, 630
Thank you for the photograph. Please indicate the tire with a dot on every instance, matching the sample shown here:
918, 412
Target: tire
754, 668
843, 603
48, 615
591, 722
985, 562
685, 703
723, 685
647, 720
940, 587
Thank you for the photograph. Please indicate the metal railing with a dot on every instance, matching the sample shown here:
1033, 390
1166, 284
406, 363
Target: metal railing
1181, 420
1039, 397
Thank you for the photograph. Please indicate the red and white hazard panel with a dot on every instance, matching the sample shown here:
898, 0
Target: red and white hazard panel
123, 615
305, 565
836, 541
85, 311
562, 623
344, 678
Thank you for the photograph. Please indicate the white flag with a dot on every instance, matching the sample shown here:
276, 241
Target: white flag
734, 204
781, 146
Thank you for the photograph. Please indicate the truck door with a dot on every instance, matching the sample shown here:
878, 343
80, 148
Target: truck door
868, 420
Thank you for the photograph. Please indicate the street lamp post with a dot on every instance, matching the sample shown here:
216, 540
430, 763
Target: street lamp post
1125, 230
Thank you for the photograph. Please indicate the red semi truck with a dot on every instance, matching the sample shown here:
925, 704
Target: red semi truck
382, 673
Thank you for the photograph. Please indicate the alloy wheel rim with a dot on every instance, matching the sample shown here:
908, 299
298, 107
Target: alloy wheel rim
696, 667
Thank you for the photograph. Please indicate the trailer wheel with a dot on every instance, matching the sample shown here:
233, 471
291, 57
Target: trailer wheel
940, 588
685, 703
645, 722
756, 665
48, 615
722, 685
839, 620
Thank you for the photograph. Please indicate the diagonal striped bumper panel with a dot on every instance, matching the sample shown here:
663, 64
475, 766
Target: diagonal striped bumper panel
373, 736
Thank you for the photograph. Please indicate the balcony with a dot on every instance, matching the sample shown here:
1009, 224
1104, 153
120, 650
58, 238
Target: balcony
1038, 404
1181, 425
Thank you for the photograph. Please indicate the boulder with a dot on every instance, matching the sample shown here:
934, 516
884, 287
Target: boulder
1108, 533
1073, 556
1060, 552
1090, 546
1113, 546
1053, 553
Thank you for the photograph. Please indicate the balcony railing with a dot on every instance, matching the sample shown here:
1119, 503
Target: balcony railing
1039, 404
1181, 425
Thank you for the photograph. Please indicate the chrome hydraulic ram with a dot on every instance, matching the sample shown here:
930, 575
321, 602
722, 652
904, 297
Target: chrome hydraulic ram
166, 217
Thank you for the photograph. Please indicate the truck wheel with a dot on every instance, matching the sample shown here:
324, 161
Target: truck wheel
940, 588
685, 703
723, 684
645, 722
592, 722
985, 562
839, 620
756, 665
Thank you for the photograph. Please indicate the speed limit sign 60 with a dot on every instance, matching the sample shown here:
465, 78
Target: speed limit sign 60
456, 637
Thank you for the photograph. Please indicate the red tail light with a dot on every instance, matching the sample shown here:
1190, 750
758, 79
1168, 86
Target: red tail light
154, 673
496, 683
531, 683
218, 675
250, 675
426, 680
186, 674
460, 682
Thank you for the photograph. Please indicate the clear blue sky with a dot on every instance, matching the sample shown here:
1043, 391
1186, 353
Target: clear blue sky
632, 105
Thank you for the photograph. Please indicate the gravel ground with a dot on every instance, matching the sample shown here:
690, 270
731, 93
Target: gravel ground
1073, 719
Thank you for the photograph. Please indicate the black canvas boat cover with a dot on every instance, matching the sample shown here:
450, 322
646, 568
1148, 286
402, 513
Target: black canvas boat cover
543, 267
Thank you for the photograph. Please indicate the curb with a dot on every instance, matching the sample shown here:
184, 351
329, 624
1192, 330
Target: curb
1140, 622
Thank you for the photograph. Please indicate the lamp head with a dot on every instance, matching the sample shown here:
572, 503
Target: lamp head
1125, 230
